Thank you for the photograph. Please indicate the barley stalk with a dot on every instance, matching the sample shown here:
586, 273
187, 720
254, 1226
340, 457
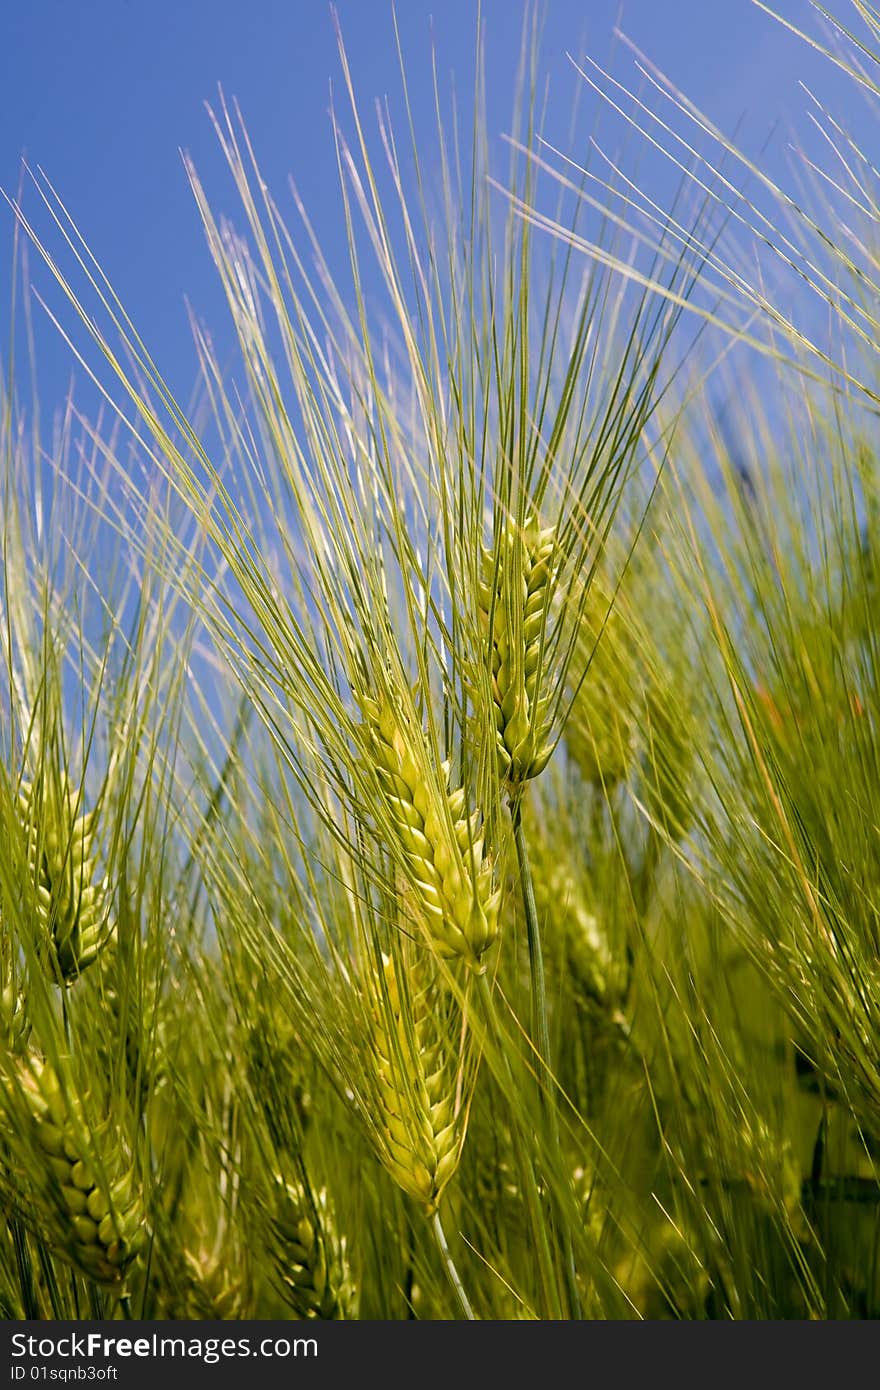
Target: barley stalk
515, 597
449, 1265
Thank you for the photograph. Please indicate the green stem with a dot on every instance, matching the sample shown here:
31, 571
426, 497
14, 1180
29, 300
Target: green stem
541, 1032
410, 1275
96, 1300
47, 1269
454, 1279
540, 1026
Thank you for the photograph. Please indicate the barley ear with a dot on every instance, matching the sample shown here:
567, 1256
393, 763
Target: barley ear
669, 759
600, 732
71, 898
309, 1256
451, 878
214, 1289
75, 1181
517, 582
420, 1051
14, 1022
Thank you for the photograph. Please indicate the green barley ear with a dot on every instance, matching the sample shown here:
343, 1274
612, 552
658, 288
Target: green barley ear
201, 1265
273, 1063
71, 897
202, 1272
420, 1053
309, 1256
595, 968
453, 893
600, 729
213, 1289
74, 1181
14, 1021
515, 595
129, 1000
668, 758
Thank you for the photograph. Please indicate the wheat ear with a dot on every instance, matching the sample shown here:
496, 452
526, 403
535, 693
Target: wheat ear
454, 894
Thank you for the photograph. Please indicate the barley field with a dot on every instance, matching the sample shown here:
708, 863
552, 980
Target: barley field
440, 761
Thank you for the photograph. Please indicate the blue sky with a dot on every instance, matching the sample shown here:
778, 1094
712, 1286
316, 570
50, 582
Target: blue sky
103, 94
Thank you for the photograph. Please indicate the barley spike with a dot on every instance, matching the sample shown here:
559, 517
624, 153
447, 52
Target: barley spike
516, 586
451, 876
14, 1021
62, 854
310, 1258
417, 1074
82, 1181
